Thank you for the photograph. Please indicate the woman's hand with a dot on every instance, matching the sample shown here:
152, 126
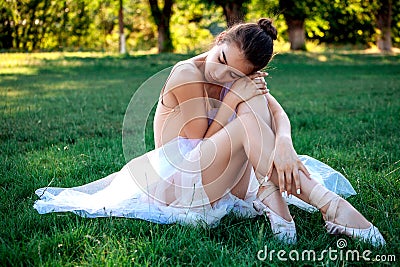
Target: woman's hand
248, 87
288, 166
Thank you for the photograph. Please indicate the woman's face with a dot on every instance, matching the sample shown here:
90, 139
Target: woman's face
225, 63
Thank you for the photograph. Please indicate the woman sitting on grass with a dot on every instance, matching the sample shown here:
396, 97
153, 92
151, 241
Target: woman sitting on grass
223, 144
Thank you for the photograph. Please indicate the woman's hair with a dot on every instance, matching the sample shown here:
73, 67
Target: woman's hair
256, 40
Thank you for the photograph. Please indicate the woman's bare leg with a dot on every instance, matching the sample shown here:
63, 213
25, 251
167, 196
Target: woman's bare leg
250, 137
247, 135
274, 201
258, 107
240, 189
346, 215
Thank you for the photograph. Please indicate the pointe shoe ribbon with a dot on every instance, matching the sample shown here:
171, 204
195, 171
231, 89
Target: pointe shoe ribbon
320, 196
282, 229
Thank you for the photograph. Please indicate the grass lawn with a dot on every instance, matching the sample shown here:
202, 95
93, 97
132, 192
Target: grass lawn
61, 119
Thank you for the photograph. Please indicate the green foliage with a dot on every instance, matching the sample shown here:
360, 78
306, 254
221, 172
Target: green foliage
229, 7
33, 25
140, 32
350, 21
268, 9
396, 22
47, 25
194, 26
61, 118
298, 10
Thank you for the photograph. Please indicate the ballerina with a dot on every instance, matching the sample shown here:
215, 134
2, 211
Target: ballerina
223, 145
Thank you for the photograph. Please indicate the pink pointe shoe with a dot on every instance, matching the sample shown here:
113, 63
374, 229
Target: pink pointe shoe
282, 229
320, 196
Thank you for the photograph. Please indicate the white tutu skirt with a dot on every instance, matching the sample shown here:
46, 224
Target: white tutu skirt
165, 186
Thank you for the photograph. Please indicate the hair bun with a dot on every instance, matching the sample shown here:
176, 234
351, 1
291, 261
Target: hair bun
266, 25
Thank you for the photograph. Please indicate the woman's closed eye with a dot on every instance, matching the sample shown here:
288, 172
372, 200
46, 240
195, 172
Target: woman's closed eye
235, 75
220, 60
232, 74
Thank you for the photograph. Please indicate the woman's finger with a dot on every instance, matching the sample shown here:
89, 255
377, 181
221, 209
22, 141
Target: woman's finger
281, 179
257, 74
258, 82
288, 176
304, 170
263, 82
261, 87
261, 92
296, 177
270, 170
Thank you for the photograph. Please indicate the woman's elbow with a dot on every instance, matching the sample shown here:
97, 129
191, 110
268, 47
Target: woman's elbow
195, 130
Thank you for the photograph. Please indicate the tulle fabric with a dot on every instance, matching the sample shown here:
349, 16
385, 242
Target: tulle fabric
164, 186
325, 175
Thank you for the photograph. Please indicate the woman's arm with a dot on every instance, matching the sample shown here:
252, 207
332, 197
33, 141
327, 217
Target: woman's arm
221, 119
190, 99
281, 121
241, 90
187, 87
286, 161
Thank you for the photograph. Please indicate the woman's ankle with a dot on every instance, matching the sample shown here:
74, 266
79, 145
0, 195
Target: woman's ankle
347, 215
278, 205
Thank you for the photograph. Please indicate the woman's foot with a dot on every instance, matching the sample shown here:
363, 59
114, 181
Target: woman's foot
282, 223
342, 218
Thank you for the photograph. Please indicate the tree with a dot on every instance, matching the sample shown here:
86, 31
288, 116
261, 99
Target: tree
37, 25
295, 13
122, 49
234, 10
162, 18
384, 19
6, 28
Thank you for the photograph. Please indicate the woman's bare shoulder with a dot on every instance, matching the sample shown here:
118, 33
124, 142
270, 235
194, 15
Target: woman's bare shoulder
185, 72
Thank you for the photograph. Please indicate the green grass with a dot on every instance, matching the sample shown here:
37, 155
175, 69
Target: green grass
61, 118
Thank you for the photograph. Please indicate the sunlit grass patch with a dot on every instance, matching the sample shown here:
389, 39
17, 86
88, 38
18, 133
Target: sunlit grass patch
61, 119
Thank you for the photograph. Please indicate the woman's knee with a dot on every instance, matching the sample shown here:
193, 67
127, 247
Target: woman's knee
252, 121
257, 105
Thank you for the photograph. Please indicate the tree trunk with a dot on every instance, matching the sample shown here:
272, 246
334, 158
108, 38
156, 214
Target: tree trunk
164, 38
60, 35
162, 19
233, 12
122, 49
384, 21
297, 36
